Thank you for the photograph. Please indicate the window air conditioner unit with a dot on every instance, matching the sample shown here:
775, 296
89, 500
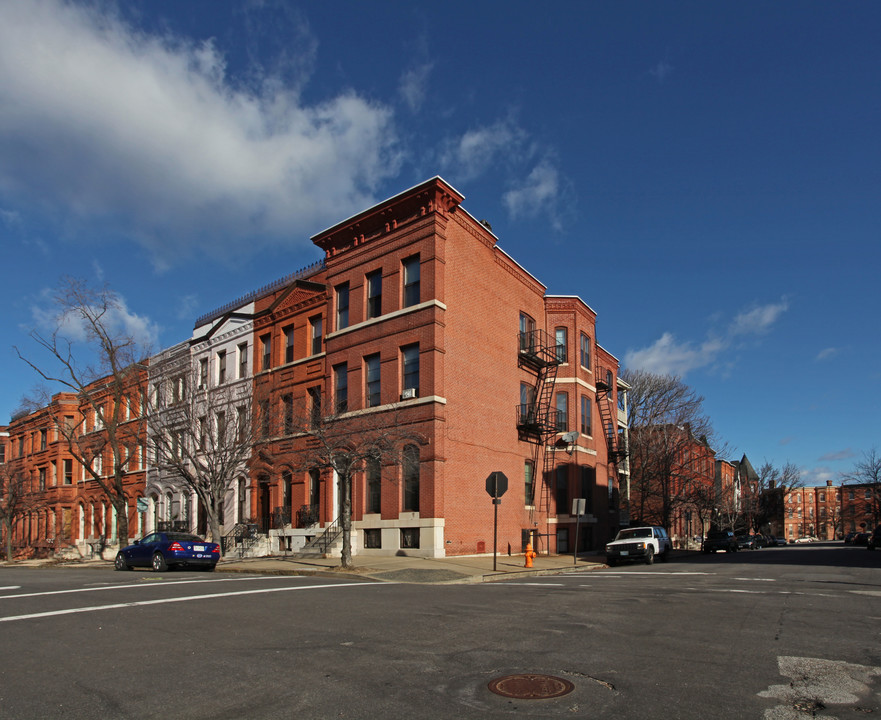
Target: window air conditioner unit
408, 394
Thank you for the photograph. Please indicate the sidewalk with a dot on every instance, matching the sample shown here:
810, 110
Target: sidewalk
399, 568
404, 569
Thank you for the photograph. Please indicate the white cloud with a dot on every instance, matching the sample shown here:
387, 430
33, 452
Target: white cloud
758, 319
537, 193
118, 319
148, 133
667, 356
827, 354
846, 454
661, 71
477, 150
414, 86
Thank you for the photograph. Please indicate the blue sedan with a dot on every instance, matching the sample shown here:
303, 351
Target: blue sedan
163, 550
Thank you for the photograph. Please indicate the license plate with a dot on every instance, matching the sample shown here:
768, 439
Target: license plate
625, 552
199, 548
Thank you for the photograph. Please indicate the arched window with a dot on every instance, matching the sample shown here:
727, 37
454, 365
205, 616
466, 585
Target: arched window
410, 474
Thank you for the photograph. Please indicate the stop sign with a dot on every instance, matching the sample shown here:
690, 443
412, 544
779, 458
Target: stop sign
496, 484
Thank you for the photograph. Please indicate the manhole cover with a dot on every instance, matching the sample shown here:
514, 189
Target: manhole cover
530, 687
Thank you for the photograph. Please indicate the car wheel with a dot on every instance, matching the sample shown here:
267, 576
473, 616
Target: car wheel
611, 562
121, 563
159, 564
650, 555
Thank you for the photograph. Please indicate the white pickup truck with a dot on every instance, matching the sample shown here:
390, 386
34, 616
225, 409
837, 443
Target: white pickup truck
639, 544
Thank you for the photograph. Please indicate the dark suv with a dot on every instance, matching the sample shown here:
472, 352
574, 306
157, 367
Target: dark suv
874, 539
720, 540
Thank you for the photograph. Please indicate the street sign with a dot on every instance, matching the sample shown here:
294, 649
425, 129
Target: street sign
142, 504
578, 506
496, 484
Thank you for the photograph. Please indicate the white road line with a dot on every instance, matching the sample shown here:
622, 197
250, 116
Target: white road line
756, 579
136, 585
188, 598
505, 583
648, 572
11, 587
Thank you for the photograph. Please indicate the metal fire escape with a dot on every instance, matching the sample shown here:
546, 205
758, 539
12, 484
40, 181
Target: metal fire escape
536, 419
615, 445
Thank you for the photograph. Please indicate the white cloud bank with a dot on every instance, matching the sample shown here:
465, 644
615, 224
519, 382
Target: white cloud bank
140, 131
667, 356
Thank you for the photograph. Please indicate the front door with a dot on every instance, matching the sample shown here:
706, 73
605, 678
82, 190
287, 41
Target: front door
264, 507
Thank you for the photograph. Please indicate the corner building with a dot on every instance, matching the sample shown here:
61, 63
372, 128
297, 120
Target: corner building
419, 319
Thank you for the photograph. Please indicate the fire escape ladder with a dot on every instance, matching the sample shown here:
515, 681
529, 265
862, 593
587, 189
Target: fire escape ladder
608, 416
549, 426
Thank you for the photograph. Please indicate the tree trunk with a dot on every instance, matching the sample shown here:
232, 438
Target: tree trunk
346, 521
121, 506
7, 524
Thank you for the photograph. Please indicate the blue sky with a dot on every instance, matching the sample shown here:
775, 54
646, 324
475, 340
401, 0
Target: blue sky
706, 176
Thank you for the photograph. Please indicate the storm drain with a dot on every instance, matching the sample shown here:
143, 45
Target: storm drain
530, 687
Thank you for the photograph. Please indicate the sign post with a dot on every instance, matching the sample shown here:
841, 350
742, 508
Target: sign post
578, 507
496, 486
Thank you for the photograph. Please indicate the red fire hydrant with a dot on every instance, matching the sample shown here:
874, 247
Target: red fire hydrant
530, 553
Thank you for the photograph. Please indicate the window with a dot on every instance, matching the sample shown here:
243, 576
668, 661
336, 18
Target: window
178, 389
410, 538
243, 360
374, 294
288, 343
42, 479
410, 371
341, 387
372, 374
241, 423
410, 471
264, 418
527, 333
585, 351
528, 484
221, 428
585, 415
527, 404
374, 486
822, 497
157, 399
203, 432
561, 489
203, 373
560, 337
342, 306
850, 495
562, 412
373, 539
314, 406
315, 324
221, 367
68, 472
43, 438
287, 413
411, 281
266, 347
2, 453
588, 482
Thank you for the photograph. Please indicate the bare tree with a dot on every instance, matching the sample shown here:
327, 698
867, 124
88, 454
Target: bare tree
344, 443
666, 419
93, 355
867, 473
202, 440
774, 485
16, 500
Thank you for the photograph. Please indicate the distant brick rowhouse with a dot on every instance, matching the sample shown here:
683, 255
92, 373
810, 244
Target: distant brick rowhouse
415, 316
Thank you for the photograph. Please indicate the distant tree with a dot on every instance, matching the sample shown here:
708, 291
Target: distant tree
345, 443
16, 500
202, 440
91, 354
667, 420
867, 473
774, 486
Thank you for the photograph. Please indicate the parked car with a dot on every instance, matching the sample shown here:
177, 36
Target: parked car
861, 539
874, 539
848, 539
640, 544
780, 542
164, 550
720, 540
803, 539
747, 542
763, 541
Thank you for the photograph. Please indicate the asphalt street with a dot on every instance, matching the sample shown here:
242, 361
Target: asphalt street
778, 633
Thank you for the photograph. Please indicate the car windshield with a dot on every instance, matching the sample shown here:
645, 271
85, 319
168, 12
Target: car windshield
635, 533
715, 535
